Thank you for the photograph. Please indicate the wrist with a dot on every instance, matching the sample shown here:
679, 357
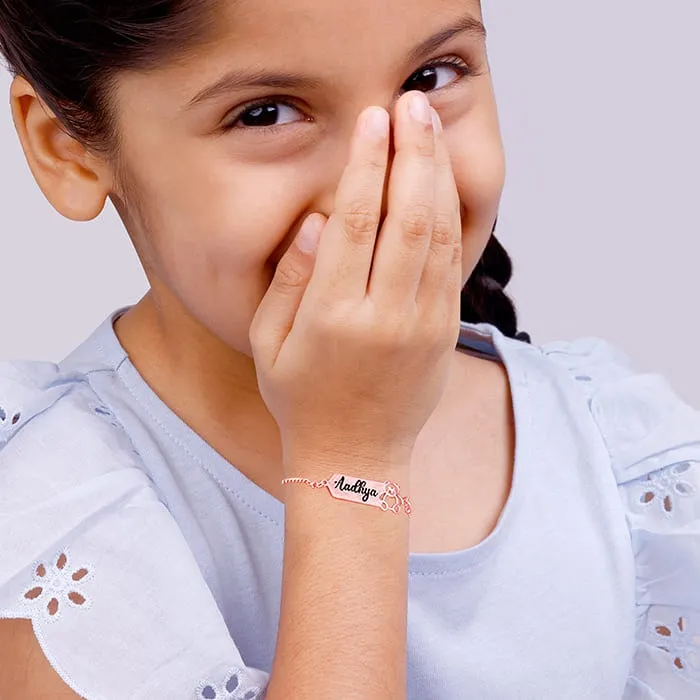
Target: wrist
387, 463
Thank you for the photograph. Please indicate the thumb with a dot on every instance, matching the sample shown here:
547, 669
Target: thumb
275, 315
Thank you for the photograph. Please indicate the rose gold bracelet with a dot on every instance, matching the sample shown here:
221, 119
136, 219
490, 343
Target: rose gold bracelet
381, 494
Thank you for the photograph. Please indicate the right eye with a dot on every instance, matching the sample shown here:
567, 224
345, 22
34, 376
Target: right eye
269, 115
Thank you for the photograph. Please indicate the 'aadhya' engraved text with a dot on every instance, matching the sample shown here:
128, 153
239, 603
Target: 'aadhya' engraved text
360, 487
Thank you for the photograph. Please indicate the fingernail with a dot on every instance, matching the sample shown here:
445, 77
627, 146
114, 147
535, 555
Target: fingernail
309, 234
376, 123
437, 122
419, 108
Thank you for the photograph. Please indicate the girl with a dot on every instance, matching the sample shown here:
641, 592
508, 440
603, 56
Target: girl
317, 460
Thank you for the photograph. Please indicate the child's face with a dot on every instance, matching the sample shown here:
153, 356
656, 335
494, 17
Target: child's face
218, 207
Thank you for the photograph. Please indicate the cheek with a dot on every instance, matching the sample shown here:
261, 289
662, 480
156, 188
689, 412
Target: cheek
478, 164
208, 235
479, 170
218, 216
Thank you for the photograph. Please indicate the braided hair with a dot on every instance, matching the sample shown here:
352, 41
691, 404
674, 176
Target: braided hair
483, 297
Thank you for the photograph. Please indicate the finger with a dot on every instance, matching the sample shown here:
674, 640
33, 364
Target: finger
436, 292
344, 257
403, 242
276, 312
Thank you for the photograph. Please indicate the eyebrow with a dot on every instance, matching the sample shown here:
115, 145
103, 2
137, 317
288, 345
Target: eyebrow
235, 80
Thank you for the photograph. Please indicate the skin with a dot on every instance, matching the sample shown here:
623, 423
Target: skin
196, 199
196, 202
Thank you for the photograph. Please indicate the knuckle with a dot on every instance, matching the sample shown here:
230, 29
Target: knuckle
360, 222
323, 328
331, 322
394, 331
418, 220
443, 230
289, 277
385, 342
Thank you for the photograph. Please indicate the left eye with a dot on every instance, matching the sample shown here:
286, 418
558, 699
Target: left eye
272, 113
425, 78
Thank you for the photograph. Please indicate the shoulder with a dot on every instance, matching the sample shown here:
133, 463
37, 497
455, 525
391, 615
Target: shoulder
653, 439
39, 393
641, 417
55, 432
589, 360
89, 551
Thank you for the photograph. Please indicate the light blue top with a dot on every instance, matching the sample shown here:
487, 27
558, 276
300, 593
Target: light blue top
151, 567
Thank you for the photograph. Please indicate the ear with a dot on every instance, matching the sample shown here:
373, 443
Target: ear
75, 181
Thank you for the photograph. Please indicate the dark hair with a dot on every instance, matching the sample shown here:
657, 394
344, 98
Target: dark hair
483, 296
71, 50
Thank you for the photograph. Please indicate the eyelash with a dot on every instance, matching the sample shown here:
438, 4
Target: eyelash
464, 69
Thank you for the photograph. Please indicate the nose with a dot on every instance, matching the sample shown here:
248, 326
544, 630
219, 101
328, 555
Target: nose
336, 165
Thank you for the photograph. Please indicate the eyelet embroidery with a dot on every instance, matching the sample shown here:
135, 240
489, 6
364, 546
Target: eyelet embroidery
662, 486
8, 420
227, 689
681, 646
55, 584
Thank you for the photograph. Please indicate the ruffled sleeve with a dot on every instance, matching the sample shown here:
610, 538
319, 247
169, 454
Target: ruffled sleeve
653, 439
95, 560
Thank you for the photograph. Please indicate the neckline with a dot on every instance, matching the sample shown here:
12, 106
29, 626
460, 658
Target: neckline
487, 341
482, 339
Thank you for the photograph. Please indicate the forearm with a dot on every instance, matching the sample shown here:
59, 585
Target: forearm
342, 631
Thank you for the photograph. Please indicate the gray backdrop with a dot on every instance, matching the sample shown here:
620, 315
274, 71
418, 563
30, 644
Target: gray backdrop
600, 122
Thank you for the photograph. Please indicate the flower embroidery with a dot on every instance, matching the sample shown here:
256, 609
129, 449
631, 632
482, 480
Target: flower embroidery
683, 647
662, 486
55, 584
227, 691
8, 421
11, 421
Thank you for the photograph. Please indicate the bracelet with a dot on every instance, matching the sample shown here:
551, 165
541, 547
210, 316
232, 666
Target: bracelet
381, 494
